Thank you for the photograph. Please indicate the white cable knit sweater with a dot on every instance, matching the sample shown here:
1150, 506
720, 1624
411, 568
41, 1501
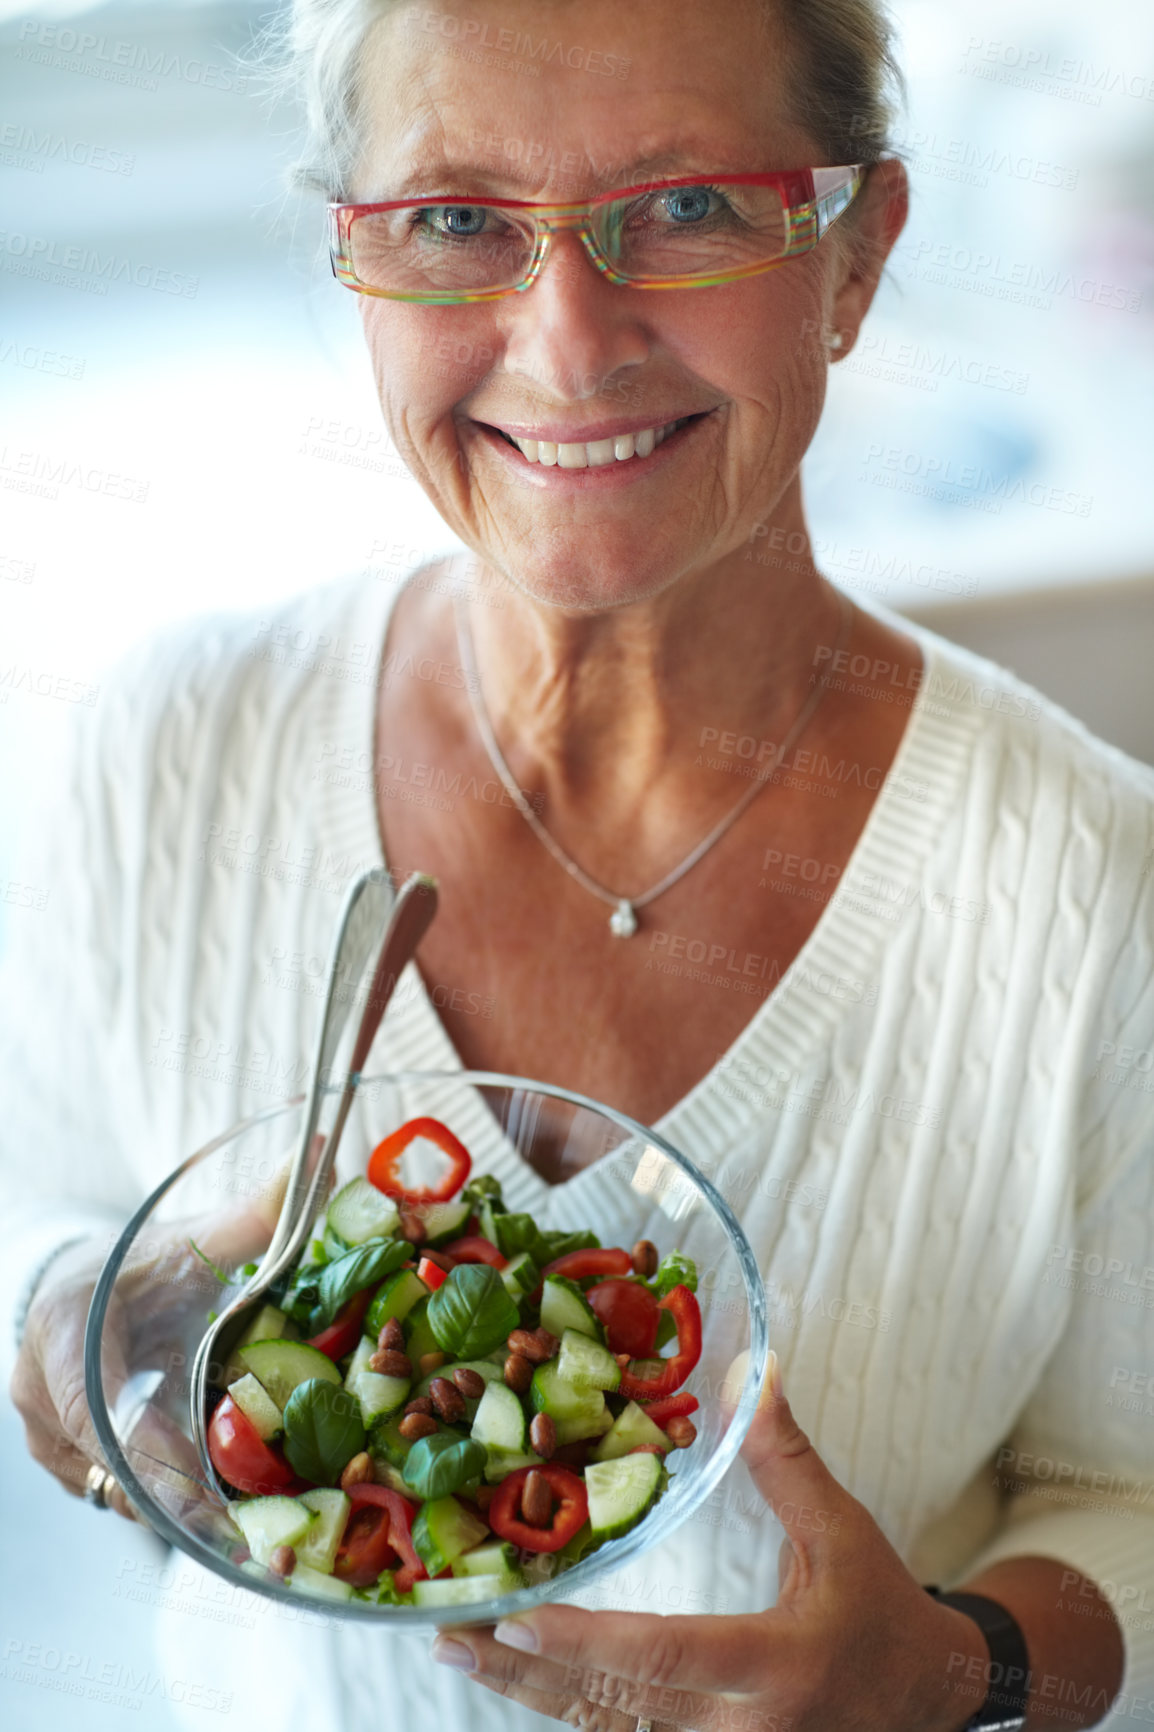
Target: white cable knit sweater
937, 1131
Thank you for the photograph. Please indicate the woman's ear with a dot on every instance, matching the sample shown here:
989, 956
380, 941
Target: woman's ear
872, 226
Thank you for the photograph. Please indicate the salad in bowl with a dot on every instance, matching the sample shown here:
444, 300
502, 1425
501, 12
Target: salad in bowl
476, 1386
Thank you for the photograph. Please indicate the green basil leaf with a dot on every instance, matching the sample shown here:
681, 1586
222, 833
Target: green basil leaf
471, 1312
560, 1244
440, 1464
484, 1185
346, 1275
520, 1232
675, 1270
323, 1430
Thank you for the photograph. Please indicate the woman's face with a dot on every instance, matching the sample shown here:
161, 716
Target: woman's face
449, 108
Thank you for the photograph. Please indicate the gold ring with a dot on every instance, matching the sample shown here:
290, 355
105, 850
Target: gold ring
99, 1485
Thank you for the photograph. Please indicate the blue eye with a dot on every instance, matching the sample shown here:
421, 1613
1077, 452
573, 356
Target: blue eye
462, 219
688, 204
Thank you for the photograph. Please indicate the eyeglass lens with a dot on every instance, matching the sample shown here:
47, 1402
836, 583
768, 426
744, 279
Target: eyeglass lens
686, 232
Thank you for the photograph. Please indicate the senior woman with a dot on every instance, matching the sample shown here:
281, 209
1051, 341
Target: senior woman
605, 256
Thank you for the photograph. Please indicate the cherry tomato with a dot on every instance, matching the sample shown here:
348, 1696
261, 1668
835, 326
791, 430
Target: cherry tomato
344, 1331
360, 1547
240, 1455
630, 1314
475, 1248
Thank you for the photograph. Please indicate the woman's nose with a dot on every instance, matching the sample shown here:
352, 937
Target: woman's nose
572, 329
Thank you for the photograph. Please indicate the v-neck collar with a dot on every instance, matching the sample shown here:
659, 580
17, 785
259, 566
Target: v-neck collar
913, 804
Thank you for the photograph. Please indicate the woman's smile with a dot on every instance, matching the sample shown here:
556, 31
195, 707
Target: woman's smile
611, 459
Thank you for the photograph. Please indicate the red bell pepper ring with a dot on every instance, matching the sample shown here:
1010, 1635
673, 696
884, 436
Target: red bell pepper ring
672, 1407
385, 1162
687, 1315
431, 1273
570, 1512
397, 1524
608, 1260
344, 1331
475, 1248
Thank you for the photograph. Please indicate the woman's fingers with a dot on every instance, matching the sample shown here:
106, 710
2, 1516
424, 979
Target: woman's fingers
570, 1711
691, 1654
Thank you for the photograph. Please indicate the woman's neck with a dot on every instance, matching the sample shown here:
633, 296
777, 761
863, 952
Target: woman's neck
599, 711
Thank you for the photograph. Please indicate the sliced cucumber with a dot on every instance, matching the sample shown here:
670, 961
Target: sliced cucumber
443, 1221
500, 1418
462, 1590
419, 1337
310, 1581
359, 1212
551, 1393
500, 1463
282, 1365
395, 1297
520, 1275
318, 1549
377, 1393
564, 1306
269, 1522
497, 1559
584, 1362
631, 1427
257, 1405
269, 1324
593, 1422
620, 1492
442, 1530
387, 1440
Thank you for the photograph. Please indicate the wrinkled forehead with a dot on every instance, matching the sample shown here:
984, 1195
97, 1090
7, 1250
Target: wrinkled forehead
528, 100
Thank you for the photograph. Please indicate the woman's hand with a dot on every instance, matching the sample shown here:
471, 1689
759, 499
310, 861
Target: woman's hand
48, 1387
854, 1641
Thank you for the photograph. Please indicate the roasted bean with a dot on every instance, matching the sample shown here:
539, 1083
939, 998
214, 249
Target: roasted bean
283, 1561
447, 1399
430, 1361
535, 1345
645, 1258
680, 1431
415, 1425
518, 1373
392, 1335
536, 1500
412, 1227
389, 1363
468, 1381
419, 1404
543, 1435
358, 1472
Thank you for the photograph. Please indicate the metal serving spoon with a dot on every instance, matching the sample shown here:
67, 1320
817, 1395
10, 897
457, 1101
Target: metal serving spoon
368, 926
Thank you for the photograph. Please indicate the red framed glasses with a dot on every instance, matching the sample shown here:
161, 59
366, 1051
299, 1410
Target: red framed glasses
670, 234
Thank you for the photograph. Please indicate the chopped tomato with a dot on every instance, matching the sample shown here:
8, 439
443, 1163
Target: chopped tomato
672, 1407
630, 1314
240, 1455
674, 1370
570, 1510
431, 1273
384, 1167
475, 1248
344, 1331
366, 1540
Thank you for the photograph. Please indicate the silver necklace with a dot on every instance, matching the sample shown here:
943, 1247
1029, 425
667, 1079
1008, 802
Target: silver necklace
623, 920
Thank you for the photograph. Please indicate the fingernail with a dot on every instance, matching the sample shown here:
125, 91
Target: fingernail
448, 1653
772, 1386
515, 1634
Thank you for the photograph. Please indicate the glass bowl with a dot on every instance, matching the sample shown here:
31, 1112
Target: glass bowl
608, 1172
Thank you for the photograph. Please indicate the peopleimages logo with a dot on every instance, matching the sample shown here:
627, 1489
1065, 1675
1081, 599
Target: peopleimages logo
36, 255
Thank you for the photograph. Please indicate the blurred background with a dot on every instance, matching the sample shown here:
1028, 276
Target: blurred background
187, 422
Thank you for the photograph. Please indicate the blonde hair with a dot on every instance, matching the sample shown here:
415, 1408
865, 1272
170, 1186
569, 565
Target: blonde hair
844, 83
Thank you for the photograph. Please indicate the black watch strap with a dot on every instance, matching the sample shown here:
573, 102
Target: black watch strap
1008, 1673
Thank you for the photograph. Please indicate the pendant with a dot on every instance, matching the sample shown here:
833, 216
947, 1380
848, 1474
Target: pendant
623, 921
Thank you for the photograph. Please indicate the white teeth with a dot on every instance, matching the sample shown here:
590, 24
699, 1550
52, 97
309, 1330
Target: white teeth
598, 452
